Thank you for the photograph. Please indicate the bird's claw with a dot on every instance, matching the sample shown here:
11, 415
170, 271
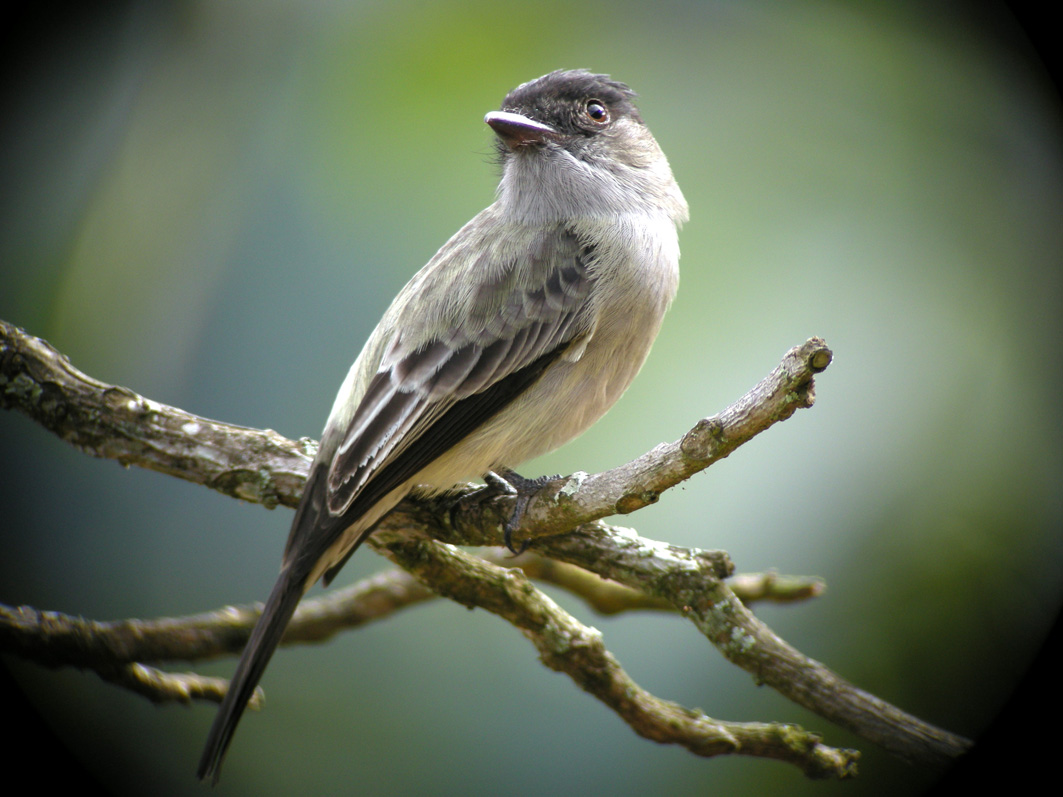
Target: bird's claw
508, 482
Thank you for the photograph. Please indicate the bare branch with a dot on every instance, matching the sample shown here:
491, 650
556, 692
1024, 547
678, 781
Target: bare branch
113, 422
564, 518
54, 639
165, 687
568, 502
774, 588
603, 596
608, 597
113, 649
577, 650
262, 466
698, 591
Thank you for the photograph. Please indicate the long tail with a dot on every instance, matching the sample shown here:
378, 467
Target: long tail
264, 640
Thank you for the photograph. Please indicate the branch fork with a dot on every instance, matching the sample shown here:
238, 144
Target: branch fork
612, 568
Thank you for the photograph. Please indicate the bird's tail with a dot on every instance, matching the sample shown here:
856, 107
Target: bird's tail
280, 606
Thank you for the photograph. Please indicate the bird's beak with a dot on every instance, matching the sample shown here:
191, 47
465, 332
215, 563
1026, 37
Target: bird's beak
519, 131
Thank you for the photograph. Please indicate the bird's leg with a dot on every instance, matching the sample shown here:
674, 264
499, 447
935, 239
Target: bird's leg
508, 482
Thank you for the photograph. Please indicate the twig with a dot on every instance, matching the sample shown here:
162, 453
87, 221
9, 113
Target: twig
564, 519
576, 500
567, 646
54, 639
113, 422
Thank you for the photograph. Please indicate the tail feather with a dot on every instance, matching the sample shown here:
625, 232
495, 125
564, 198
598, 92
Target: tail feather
280, 606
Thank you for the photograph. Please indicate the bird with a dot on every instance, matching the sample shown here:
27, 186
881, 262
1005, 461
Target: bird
522, 330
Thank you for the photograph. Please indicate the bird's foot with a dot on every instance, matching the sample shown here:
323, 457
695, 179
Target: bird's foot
507, 482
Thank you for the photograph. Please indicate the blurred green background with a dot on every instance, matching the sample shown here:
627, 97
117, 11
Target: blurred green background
199, 199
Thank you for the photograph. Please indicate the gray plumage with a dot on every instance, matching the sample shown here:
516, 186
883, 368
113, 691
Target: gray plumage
525, 327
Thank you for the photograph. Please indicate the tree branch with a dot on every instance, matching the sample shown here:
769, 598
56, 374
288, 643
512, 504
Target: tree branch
570, 647
564, 519
571, 501
113, 422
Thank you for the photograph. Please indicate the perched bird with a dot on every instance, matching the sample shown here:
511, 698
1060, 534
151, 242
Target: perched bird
521, 331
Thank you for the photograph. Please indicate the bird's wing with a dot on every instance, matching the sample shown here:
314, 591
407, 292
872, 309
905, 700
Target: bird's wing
429, 394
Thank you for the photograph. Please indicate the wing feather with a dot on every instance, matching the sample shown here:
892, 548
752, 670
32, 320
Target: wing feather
431, 392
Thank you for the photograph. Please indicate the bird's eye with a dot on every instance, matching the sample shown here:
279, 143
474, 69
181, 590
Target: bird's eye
596, 111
